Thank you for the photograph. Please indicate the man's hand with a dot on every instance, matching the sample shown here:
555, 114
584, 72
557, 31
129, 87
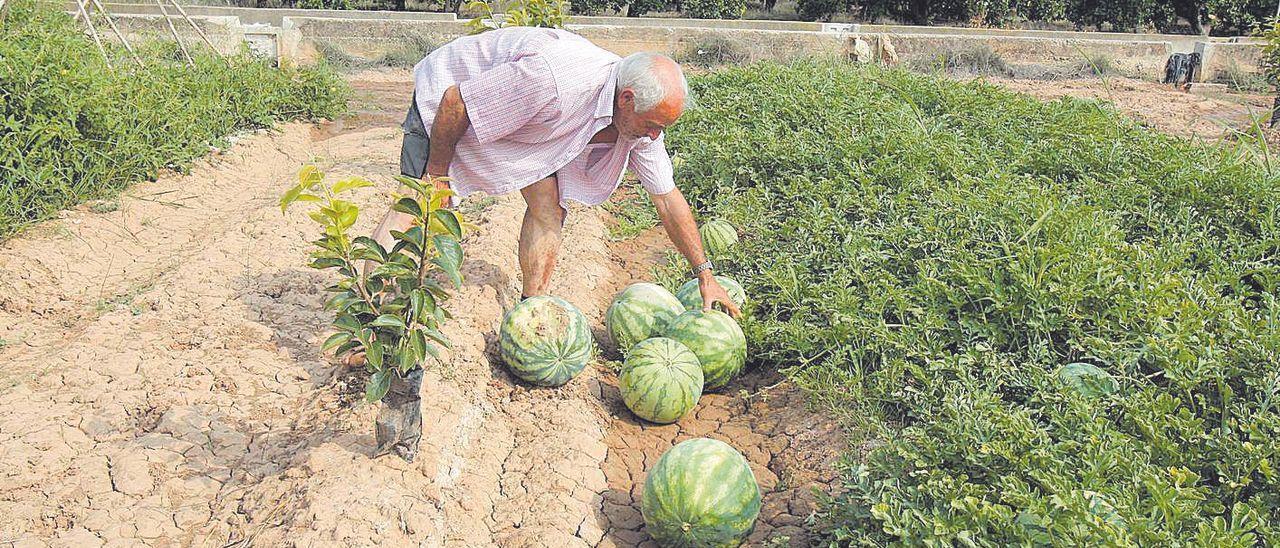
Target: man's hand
713, 294
674, 212
440, 182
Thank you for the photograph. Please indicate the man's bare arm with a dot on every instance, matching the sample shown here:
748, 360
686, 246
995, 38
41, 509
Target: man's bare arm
450, 124
677, 219
446, 130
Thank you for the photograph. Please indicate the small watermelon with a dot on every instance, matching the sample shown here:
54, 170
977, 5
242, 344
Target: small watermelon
716, 339
691, 294
718, 235
639, 312
700, 493
1088, 379
661, 380
545, 340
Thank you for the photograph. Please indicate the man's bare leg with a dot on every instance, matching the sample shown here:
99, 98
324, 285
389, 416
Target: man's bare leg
540, 235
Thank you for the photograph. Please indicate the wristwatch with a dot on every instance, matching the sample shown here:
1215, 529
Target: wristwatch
693, 272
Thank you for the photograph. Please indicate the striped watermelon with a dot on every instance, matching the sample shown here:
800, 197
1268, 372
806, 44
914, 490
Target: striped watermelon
700, 493
718, 235
640, 311
661, 380
545, 340
691, 295
716, 339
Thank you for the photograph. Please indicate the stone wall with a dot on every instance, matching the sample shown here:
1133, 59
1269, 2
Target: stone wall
305, 35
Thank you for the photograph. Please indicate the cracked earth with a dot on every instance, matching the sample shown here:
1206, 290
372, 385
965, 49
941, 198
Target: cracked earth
161, 381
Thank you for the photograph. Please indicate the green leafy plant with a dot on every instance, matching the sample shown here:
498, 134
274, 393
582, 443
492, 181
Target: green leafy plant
497, 14
927, 256
392, 313
72, 129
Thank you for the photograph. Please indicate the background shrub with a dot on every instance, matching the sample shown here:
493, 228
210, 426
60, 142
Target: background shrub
72, 130
714, 9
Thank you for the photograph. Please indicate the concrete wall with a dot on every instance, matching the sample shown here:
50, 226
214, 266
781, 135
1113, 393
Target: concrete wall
304, 34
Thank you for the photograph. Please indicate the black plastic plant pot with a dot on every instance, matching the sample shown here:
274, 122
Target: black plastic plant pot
399, 426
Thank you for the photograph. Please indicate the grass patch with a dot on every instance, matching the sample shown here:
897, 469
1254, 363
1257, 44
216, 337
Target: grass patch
78, 131
927, 255
1238, 78
411, 49
978, 60
633, 212
712, 51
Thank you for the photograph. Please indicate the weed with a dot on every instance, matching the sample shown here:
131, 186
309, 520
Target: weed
633, 212
104, 206
1096, 64
976, 60
1238, 78
713, 51
472, 208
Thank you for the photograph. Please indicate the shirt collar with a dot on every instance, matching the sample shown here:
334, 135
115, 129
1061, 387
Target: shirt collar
604, 102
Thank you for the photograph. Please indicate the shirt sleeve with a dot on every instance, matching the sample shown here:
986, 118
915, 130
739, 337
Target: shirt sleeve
505, 98
652, 165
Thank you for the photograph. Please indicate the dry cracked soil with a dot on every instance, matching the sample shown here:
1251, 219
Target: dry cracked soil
162, 384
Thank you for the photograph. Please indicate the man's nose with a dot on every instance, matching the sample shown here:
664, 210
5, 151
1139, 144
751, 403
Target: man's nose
654, 134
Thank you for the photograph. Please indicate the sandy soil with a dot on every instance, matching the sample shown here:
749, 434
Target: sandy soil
161, 383
1171, 110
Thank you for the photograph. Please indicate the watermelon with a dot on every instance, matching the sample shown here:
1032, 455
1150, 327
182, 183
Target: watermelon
700, 493
639, 312
545, 340
718, 235
1088, 379
661, 380
691, 294
716, 339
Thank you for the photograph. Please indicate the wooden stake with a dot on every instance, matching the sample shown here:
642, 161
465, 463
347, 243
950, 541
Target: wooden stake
173, 30
116, 30
94, 32
194, 26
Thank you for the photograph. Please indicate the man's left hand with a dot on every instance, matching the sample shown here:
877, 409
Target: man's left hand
713, 294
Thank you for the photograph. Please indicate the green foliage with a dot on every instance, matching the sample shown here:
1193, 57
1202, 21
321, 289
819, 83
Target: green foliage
517, 13
936, 252
72, 130
1271, 52
634, 8
632, 214
392, 311
714, 9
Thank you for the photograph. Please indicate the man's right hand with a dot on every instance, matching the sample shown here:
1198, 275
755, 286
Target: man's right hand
440, 182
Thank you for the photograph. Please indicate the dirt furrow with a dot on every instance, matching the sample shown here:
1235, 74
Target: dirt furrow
162, 383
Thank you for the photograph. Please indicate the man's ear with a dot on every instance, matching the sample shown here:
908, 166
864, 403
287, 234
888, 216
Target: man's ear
626, 98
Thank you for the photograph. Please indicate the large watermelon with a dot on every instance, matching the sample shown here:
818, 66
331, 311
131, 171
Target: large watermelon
716, 339
545, 340
661, 380
691, 294
640, 311
700, 493
718, 235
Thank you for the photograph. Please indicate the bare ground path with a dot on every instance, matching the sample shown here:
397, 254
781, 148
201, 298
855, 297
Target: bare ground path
160, 382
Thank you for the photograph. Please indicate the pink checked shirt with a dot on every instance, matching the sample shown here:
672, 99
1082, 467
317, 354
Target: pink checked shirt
535, 98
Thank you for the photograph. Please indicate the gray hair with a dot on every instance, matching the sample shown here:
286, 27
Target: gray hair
636, 72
